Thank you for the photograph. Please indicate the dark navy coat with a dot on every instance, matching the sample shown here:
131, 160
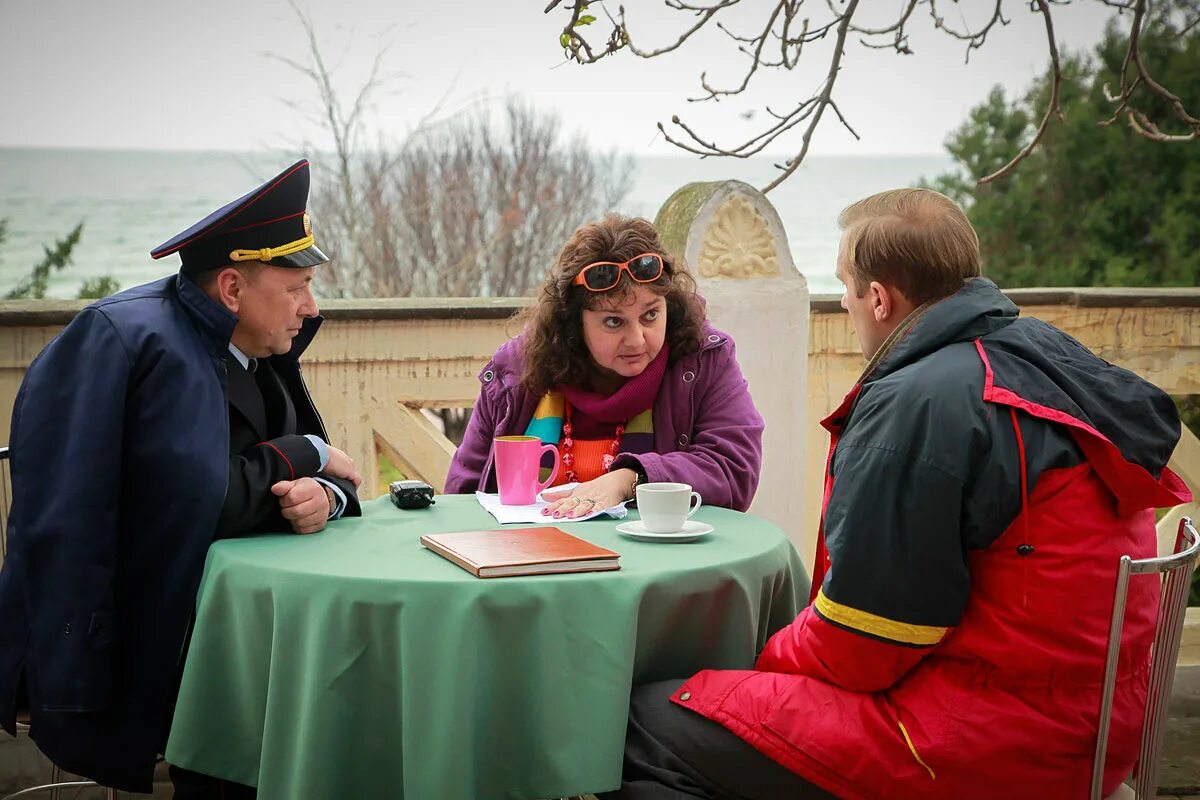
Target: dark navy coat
120, 464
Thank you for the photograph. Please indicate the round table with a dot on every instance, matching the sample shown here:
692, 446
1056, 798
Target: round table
357, 663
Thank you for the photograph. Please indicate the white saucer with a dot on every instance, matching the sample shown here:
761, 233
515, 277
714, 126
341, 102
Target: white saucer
691, 532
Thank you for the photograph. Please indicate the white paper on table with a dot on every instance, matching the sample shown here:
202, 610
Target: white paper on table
533, 513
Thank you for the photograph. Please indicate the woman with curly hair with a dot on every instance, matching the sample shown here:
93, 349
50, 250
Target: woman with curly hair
617, 366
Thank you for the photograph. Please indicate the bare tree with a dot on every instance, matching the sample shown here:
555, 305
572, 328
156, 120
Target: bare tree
787, 28
470, 207
476, 204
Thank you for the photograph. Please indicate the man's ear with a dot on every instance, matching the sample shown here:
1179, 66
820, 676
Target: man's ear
883, 305
229, 285
888, 304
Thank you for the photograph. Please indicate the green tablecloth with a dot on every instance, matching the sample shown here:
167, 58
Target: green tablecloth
355, 663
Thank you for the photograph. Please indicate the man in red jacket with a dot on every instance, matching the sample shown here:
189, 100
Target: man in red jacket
986, 473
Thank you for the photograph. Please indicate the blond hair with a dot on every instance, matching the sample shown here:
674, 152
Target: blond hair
917, 240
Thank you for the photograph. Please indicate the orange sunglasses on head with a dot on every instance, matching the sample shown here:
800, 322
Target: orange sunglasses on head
604, 275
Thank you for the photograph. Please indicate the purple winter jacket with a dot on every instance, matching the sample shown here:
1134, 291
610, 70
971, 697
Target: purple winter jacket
707, 432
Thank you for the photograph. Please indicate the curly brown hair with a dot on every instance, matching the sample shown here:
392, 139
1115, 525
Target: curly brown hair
554, 348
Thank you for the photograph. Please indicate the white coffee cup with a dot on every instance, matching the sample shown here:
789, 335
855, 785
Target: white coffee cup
665, 507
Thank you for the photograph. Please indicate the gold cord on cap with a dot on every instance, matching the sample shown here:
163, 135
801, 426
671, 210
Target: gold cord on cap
267, 253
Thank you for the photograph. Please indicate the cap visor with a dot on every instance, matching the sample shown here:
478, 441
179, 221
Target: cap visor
309, 257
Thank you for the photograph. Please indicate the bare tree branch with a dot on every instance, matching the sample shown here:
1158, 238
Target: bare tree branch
755, 60
810, 110
576, 45
785, 41
789, 25
823, 101
781, 25
974, 39
1146, 127
899, 41
705, 15
1134, 66
1052, 107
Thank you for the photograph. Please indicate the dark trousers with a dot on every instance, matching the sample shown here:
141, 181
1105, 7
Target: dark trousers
198, 786
672, 754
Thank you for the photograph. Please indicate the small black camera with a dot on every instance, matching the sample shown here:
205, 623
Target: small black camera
411, 494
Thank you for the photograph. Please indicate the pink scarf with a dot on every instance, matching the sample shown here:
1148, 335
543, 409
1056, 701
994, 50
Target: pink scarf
633, 398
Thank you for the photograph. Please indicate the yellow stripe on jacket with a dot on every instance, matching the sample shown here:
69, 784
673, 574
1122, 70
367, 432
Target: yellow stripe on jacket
875, 625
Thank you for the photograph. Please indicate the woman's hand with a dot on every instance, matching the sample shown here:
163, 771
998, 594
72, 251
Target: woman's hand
610, 489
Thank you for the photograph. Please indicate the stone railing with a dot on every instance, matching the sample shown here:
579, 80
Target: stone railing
377, 364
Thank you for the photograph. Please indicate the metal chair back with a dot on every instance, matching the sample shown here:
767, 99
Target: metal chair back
1175, 572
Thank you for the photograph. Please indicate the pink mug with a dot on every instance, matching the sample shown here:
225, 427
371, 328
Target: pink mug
518, 464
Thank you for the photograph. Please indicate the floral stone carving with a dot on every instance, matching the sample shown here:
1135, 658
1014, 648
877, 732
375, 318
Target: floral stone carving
738, 243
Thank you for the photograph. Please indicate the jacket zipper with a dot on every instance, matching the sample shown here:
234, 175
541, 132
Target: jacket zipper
912, 748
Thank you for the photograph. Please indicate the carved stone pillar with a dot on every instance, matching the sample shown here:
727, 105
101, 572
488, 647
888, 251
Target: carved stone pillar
732, 239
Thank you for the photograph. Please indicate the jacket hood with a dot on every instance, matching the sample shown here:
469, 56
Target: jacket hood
977, 309
1038, 368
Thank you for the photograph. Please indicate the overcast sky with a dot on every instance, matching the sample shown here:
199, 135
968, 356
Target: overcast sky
167, 74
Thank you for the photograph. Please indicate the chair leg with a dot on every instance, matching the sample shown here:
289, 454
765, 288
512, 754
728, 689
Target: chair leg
57, 785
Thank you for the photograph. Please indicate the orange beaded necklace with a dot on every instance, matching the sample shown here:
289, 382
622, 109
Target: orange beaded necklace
568, 446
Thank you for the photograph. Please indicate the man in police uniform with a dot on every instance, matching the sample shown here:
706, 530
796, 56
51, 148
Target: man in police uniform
159, 419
